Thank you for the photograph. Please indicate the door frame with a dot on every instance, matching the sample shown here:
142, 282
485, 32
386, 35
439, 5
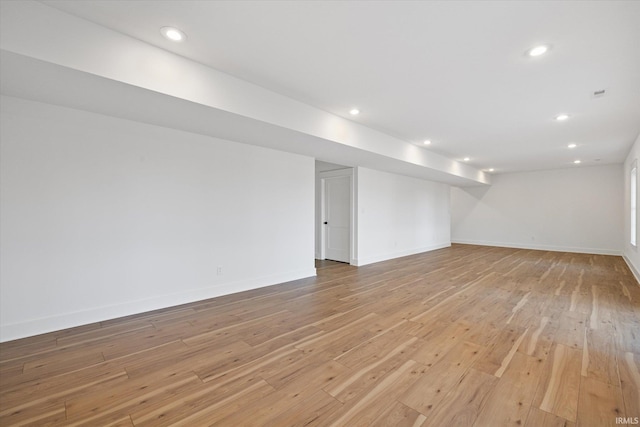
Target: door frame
322, 176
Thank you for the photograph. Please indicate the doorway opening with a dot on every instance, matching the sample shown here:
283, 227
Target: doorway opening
335, 212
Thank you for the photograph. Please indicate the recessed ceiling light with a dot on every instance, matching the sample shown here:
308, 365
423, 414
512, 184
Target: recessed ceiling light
577, 162
572, 145
173, 34
427, 142
562, 117
466, 159
354, 112
491, 170
538, 50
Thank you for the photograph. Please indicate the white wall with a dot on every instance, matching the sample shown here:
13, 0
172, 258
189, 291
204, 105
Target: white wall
399, 216
630, 253
575, 210
103, 217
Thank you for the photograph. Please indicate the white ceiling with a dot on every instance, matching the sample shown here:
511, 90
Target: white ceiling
452, 72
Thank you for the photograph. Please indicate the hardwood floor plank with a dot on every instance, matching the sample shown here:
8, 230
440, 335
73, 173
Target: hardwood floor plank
375, 402
53, 366
273, 405
445, 305
378, 344
350, 385
399, 415
208, 414
462, 405
509, 402
68, 387
560, 383
114, 403
627, 332
570, 331
599, 355
122, 422
518, 307
500, 350
27, 347
540, 418
538, 342
600, 404
313, 411
629, 365
234, 328
439, 341
190, 400
39, 413
441, 378
329, 338
507, 359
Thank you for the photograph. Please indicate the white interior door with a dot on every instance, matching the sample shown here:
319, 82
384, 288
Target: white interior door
337, 219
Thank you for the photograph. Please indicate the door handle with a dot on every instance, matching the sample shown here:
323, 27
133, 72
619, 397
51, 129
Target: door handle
325, 223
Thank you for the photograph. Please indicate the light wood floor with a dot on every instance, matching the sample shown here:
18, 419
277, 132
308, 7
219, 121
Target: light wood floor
461, 336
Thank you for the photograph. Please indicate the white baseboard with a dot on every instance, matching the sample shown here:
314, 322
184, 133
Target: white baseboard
392, 255
633, 268
69, 320
579, 250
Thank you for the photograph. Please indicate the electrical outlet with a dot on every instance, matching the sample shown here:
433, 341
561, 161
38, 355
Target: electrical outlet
219, 270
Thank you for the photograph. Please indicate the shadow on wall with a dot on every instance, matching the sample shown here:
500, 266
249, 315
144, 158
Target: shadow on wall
476, 192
